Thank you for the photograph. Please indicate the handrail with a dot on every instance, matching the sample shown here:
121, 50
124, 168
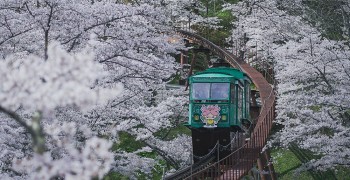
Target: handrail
239, 162
187, 171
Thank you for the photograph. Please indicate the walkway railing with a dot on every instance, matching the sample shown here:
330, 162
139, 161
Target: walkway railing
239, 162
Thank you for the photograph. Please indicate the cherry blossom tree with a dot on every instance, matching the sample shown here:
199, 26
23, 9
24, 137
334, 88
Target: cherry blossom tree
312, 74
54, 97
31, 89
331, 18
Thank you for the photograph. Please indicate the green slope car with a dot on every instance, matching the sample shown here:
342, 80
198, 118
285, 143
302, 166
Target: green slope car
219, 106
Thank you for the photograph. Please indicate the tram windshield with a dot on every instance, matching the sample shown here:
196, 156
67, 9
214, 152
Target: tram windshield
213, 91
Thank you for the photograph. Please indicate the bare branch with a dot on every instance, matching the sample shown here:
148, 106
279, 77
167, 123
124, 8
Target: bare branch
18, 119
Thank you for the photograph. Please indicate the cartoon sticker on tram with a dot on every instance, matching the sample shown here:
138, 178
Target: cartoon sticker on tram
210, 115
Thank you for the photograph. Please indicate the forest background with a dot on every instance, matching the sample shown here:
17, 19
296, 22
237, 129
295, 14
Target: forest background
83, 92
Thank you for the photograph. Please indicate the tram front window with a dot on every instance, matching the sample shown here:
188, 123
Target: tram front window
210, 91
200, 90
219, 91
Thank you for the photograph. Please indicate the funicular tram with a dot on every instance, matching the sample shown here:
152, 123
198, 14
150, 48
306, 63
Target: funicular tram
219, 107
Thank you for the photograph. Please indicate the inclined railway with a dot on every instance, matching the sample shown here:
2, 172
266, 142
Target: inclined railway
240, 160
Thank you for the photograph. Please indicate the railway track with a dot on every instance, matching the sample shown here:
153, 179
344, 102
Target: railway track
238, 163
194, 168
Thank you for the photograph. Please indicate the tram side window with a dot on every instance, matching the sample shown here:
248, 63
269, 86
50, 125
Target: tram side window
219, 91
247, 99
232, 93
240, 104
200, 90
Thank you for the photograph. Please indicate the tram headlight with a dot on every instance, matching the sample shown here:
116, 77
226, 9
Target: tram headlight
224, 117
196, 117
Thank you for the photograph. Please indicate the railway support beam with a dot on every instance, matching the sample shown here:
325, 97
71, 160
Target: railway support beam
261, 169
270, 164
265, 166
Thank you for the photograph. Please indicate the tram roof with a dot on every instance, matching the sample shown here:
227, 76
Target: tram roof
221, 72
